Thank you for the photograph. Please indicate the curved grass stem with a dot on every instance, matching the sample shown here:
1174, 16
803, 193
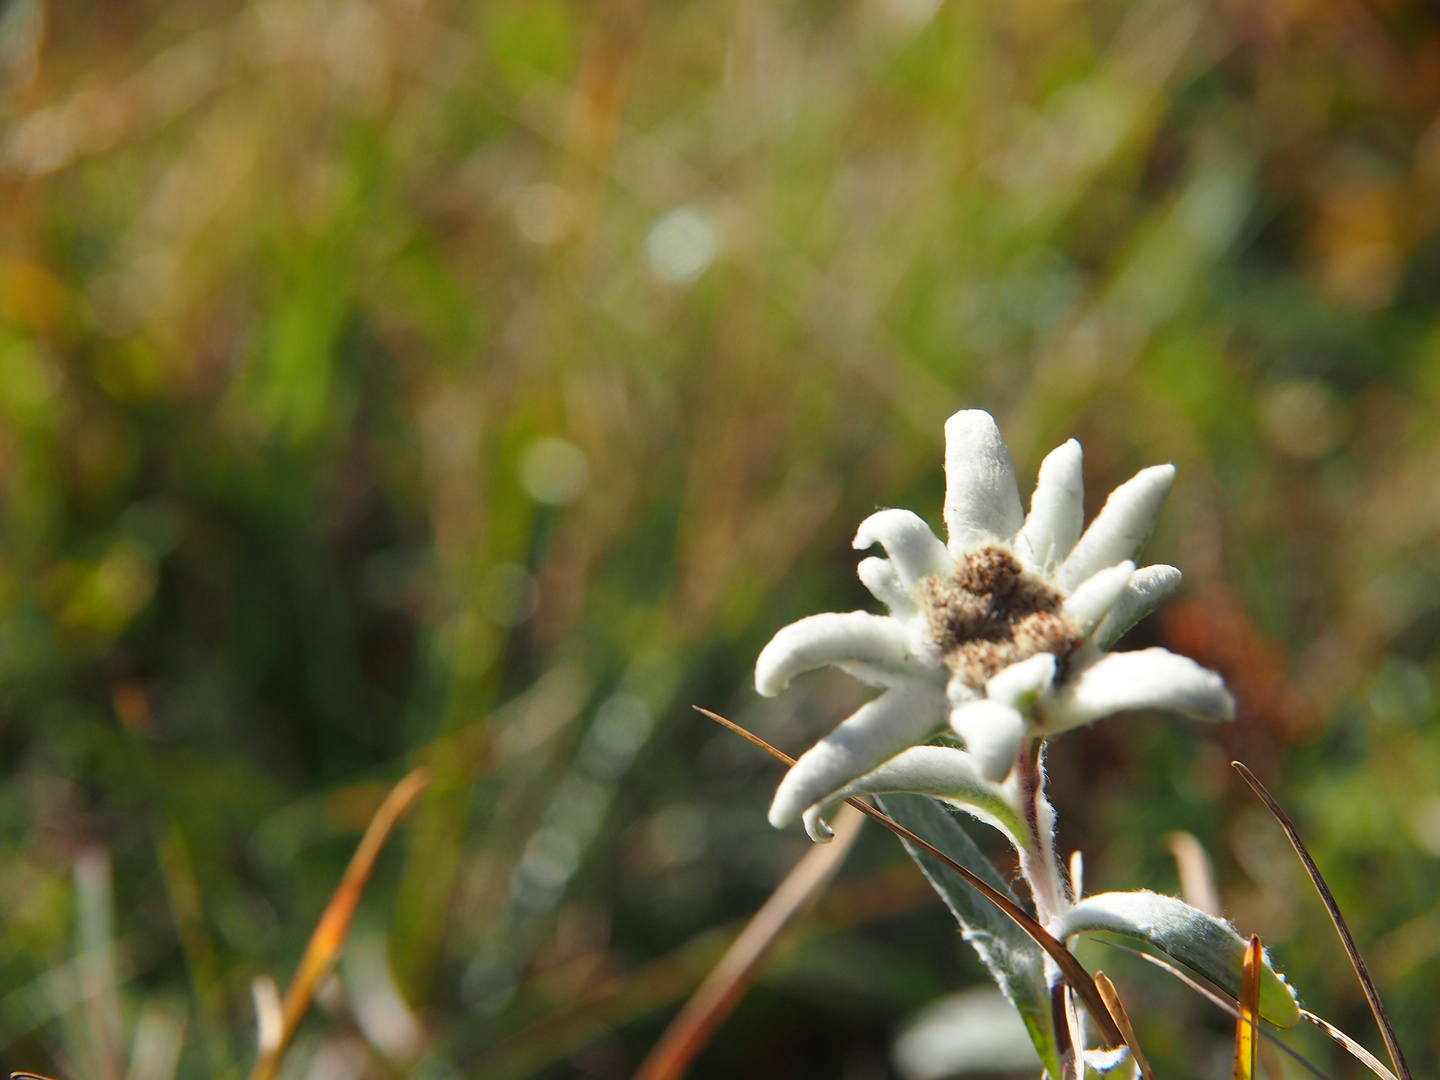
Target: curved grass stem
329, 936
1397, 1058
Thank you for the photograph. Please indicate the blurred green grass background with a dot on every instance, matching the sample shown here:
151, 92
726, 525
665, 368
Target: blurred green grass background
479, 385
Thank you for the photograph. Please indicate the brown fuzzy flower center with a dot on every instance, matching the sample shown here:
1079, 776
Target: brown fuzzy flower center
992, 613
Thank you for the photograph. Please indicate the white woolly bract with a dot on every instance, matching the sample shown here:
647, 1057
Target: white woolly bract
899, 718
1148, 588
982, 500
939, 771
876, 649
914, 550
1121, 526
1057, 509
1019, 684
1097, 595
886, 585
993, 735
1147, 679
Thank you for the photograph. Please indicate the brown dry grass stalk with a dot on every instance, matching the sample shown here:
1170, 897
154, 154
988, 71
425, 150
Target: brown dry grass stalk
718, 995
329, 936
1122, 1018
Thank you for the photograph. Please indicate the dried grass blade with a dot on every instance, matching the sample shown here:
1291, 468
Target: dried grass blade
1397, 1058
1245, 1026
1060, 1010
1197, 877
1122, 1018
1229, 1005
329, 936
1074, 1030
722, 990
746, 734
1369, 1060
1078, 977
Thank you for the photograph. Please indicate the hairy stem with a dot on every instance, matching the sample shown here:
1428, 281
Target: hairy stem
1037, 852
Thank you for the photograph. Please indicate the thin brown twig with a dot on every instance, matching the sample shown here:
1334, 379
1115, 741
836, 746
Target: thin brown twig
1369, 1060
1397, 1058
329, 936
1078, 977
726, 985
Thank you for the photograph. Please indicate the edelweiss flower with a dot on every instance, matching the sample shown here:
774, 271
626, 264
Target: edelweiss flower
1003, 630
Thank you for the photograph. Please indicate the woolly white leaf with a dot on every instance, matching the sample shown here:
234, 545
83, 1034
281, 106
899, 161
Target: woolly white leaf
1150, 586
1098, 594
902, 716
1200, 941
915, 550
982, 501
1147, 679
1014, 960
1121, 526
886, 585
1057, 508
873, 648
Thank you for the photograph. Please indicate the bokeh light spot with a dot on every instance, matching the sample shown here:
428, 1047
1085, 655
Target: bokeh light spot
682, 245
1302, 418
544, 213
553, 471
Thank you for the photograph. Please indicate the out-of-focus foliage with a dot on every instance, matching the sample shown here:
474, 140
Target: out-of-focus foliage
478, 385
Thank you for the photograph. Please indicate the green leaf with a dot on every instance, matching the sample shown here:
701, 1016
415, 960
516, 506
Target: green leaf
1015, 961
1206, 945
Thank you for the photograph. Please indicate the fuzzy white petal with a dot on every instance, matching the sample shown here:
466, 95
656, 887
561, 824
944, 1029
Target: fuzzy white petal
913, 548
1057, 508
993, 734
1098, 594
1018, 685
1147, 590
873, 648
982, 502
1121, 526
900, 717
886, 585
941, 771
1147, 679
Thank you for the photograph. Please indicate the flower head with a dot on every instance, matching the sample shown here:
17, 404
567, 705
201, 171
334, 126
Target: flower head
1003, 631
